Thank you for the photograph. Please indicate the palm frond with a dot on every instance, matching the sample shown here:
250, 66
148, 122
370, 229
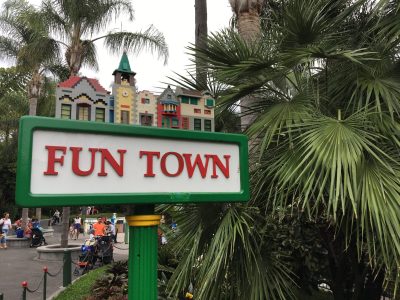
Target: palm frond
151, 40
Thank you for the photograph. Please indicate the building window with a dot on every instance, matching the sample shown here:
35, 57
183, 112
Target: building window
100, 114
194, 101
197, 124
83, 112
124, 117
146, 120
175, 123
197, 111
65, 111
185, 123
185, 99
145, 101
210, 102
207, 125
207, 112
111, 117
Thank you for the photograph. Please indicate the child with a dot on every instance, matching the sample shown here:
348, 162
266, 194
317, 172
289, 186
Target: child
71, 231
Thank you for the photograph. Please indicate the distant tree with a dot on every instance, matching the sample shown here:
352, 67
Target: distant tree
76, 23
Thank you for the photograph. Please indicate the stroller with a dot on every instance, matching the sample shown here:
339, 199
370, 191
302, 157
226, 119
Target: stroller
105, 249
87, 258
37, 238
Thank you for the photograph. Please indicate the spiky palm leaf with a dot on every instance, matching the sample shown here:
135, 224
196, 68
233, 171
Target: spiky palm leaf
224, 256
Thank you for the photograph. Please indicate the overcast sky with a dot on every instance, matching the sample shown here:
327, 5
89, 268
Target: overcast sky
175, 19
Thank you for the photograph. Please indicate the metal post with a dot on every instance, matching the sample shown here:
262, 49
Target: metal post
143, 244
126, 233
24, 287
1, 296
45, 270
67, 268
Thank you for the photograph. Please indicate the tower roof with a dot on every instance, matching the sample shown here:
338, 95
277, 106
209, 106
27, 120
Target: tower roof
124, 66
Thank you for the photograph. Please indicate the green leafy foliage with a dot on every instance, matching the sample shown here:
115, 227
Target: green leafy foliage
325, 84
113, 285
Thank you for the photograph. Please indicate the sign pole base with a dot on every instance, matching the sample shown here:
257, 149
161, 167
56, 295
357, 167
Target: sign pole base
143, 253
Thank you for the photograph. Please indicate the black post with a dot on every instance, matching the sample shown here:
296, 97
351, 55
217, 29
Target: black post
24, 287
1, 296
44, 283
67, 268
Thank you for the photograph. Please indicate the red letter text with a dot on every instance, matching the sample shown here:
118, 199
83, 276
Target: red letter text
106, 156
218, 163
75, 161
150, 155
164, 167
52, 159
197, 163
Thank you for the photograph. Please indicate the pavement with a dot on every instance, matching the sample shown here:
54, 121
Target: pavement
20, 264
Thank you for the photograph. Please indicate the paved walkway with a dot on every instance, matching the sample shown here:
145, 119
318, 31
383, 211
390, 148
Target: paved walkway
17, 265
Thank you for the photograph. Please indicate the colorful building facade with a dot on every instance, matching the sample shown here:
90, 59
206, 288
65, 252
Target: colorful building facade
82, 98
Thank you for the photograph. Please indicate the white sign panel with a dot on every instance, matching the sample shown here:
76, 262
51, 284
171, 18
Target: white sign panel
89, 163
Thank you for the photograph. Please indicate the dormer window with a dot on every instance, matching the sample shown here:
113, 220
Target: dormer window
210, 102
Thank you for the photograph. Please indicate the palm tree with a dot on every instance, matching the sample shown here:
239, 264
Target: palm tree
248, 22
25, 40
223, 254
247, 13
201, 37
76, 22
328, 121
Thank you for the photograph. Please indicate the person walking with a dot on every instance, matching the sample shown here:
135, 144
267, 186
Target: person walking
56, 217
77, 226
99, 227
5, 224
111, 231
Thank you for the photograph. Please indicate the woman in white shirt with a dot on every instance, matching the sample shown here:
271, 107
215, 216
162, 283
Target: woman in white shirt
77, 226
5, 224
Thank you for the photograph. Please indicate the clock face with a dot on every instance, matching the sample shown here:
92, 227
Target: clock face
125, 93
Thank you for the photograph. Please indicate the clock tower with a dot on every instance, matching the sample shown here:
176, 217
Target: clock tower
124, 93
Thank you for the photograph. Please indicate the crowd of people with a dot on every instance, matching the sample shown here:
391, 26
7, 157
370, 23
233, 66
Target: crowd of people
76, 228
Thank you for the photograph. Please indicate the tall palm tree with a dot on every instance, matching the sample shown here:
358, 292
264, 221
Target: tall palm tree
26, 40
328, 120
247, 13
248, 23
201, 37
75, 23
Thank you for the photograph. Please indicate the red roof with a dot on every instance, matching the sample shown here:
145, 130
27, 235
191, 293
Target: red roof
74, 80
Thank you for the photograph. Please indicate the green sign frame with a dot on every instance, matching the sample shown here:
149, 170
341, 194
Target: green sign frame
29, 124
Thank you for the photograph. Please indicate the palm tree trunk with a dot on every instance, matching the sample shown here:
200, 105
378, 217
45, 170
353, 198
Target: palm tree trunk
200, 39
34, 91
249, 27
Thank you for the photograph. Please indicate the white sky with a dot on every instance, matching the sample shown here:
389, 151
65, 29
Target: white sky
175, 19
